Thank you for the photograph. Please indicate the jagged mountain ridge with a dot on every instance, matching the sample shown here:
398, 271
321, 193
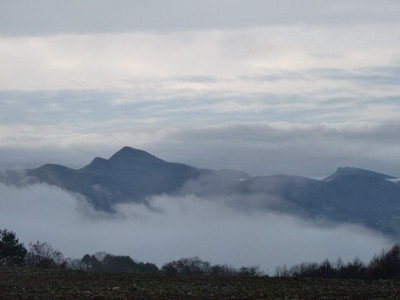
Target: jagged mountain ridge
131, 175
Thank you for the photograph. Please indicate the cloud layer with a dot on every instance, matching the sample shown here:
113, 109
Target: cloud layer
46, 17
289, 86
306, 60
179, 227
314, 150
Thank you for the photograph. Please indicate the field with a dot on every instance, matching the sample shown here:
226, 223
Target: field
17, 283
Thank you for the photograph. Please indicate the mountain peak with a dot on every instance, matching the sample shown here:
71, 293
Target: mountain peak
347, 171
128, 154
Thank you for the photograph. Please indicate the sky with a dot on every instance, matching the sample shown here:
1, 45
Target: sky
298, 87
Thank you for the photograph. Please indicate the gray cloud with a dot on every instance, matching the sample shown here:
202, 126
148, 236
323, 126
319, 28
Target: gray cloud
178, 227
322, 95
57, 16
301, 149
385, 76
315, 149
52, 108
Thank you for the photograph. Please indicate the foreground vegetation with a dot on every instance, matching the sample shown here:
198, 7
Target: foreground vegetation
42, 255
25, 283
41, 272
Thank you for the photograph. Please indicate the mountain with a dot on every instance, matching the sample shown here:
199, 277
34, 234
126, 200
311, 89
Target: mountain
349, 195
130, 175
340, 172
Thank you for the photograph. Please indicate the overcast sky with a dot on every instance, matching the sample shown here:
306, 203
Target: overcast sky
290, 86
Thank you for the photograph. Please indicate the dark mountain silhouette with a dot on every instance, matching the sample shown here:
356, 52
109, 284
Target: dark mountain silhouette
130, 175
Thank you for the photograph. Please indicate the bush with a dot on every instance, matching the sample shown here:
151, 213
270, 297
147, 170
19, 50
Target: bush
196, 266
104, 262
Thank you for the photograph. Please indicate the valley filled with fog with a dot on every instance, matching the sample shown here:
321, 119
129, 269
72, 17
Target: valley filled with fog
174, 227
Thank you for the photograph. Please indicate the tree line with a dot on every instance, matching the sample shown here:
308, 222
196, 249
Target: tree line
42, 255
386, 265
38, 255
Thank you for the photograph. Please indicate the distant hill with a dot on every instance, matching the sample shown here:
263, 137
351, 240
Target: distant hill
131, 175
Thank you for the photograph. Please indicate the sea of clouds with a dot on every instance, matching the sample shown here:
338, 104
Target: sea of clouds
174, 227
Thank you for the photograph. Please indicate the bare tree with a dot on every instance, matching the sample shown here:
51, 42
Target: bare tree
250, 271
42, 255
386, 265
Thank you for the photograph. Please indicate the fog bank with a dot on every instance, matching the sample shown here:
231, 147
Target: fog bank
178, 227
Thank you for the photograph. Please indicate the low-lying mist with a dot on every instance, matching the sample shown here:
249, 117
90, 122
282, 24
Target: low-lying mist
175, 227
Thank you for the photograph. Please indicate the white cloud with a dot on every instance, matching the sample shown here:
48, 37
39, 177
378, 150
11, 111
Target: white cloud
178, 227
119, 60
